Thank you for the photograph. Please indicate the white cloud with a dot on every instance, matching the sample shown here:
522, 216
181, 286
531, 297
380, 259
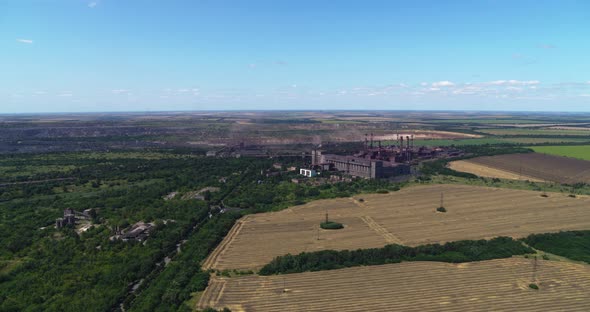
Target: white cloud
119, 91
444, 83
92, 4
514, 82
27, 41
65, 94
424, 84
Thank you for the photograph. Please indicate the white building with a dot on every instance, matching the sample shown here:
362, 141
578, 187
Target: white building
308, 172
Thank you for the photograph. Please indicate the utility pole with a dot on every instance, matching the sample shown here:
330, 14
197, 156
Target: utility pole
534, 269
441, 200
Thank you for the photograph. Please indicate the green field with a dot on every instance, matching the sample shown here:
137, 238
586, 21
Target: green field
483, 141
576, 151
489, 121
529, 131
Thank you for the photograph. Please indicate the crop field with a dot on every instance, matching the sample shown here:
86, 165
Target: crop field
487, 171
494, 140
578, 151
524, 131
539, 166
488, 121
406, 217
499, 285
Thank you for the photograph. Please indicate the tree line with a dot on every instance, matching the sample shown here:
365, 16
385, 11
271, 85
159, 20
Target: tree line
454, 252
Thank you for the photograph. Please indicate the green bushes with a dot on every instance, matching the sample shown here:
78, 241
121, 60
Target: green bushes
331, 225
441, 209
574, 245
455, 252
534, 286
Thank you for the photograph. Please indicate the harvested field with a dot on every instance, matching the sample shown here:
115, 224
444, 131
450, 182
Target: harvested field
488, 172
499, 285
540, 166
405, 217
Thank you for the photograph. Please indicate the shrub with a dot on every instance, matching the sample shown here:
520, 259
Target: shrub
441, 209
534, 286
453, 252
331, 225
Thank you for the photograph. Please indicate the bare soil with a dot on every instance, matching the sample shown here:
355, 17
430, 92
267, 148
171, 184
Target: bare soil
488, 172
540, 166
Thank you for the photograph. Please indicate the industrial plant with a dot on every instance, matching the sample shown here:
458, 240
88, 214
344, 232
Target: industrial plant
377, 161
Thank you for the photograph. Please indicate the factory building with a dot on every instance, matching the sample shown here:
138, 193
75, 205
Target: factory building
376, 161
359, 166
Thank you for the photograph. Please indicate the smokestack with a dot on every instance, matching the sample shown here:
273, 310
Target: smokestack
366, 142
401, 142
412, 141
371, 139
408, 141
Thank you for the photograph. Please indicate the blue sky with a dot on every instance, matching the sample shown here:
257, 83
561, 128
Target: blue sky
132, 55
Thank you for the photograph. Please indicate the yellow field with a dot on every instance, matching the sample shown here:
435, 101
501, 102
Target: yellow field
488, 172
495, 285
405, 217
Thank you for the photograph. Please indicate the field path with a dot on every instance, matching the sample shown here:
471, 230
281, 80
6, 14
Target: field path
212, 260
389, 238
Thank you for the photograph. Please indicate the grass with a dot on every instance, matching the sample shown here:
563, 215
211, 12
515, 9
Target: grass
574, 245
574, 151
504, 183
529, 131
488, 121
492, 141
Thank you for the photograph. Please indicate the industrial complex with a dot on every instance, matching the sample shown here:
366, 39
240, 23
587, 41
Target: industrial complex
376, 161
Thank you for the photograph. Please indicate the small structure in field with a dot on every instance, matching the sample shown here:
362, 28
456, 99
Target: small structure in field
308, 172
330, 225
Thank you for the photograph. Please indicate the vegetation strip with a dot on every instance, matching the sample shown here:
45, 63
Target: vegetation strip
574, 245
454, 252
